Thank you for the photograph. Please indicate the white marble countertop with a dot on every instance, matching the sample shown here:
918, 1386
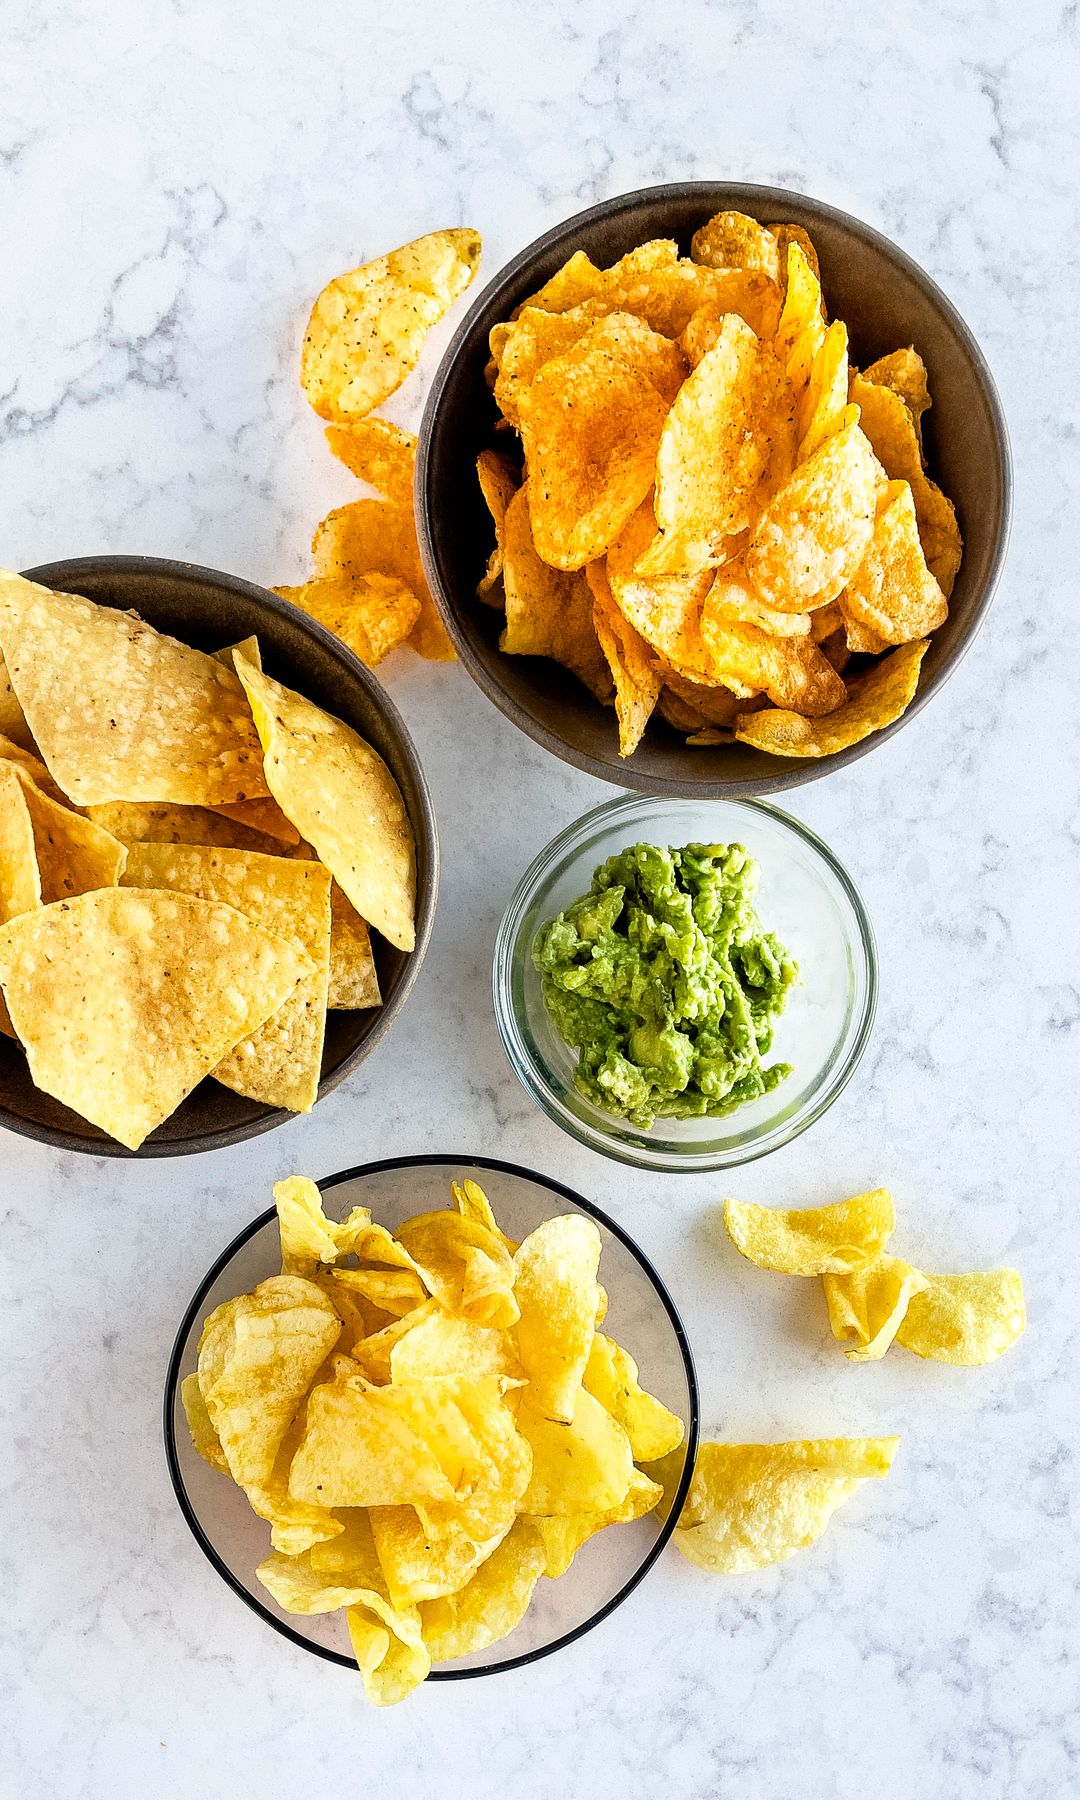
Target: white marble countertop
176, 181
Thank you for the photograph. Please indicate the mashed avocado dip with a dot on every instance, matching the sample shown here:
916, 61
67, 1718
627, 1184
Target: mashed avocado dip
665, 982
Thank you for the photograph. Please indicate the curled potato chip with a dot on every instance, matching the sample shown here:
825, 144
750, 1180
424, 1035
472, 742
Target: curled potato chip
393, 1291
750, 1505
732, 240
786, 235
372, 614
590, 423
556, 1290
874, 700
382, 454
580, 1466
965, 1319
549, 612
531, 339
376, 537
499, 483
801, 331
815, 1240
391, 1661
491, 1603
750, 659
892, 430
367, 328
611, 1376
562, 1536
634, 669
814, 533
727, 444
688, 705
372, 1350
905, 373
472, 1203
577, 280
892, 593
867, 1305
821, 411
465, 1265
203, 1436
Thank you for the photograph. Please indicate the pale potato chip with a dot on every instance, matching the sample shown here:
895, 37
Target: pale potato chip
180, 979
13, 724
140, 822
867, 1306
814, 533
391, 1661
732, 240
120, 712
465, 1265
821, 410
351, 1555
354, 979
584, 1465
750, 1505
280, 1063
393, 1291
490, 1604
815, 1240
308, 1237
665, 610
499, 482
611, 1376
562, 1537
367, 1446
493, 1474
374, 537
367, 328
634, 669
892, 430
204, 1438
343, 800
382, 454
472, 1203
555, 1288
965, 1319
749, 659
20, 881
372, 614
417, 1567
372, 1351
74, 854
548, 612
892, 593
590, 423
440, 1343
874, 700
727, 444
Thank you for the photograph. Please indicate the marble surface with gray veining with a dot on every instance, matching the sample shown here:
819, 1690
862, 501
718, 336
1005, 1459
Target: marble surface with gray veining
176, 182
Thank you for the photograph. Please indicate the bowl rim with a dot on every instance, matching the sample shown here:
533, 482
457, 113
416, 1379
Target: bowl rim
55, 575
717, 194
438, 1159
539, 1090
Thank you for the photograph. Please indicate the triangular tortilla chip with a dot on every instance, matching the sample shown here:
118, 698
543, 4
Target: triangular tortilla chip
354, 981
74, 854
20, 882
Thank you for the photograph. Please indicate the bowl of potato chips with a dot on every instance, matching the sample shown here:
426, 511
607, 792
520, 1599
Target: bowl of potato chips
434, 1416
713, 489
218, 858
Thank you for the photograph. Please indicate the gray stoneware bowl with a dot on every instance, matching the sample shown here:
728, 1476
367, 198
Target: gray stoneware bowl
886, 301
209, 609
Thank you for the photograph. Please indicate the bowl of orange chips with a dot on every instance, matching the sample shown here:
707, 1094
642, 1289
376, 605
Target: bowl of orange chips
433, 1417
713, 489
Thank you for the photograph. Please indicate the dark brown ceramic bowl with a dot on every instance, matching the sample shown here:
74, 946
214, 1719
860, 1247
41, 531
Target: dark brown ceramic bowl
208, 609
886, 301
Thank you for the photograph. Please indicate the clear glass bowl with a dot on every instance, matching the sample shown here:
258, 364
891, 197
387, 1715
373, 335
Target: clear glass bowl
641, 1316
805, 897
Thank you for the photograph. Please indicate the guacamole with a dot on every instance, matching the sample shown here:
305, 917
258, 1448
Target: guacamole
664, 981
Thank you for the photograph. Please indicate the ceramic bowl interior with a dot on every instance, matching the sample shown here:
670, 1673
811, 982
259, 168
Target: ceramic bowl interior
641, 1316
805, 897
886, 300
208, 609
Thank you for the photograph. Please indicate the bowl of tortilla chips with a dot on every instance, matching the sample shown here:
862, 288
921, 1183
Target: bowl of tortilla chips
713, 489
218, 858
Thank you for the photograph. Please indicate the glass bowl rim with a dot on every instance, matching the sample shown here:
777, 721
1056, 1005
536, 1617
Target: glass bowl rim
691, 1161
379, 1167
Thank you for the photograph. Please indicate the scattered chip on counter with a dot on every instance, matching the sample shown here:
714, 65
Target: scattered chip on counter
816, 1240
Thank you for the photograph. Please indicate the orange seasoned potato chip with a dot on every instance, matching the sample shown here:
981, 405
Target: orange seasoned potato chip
499, 482
750, 660
376, 537
379, 453
665, 610
905, 373
874, 700
549, 612
372, 614
892, 594
731, 240
822, 406
801, 331
891, 427
814, 533
634, 669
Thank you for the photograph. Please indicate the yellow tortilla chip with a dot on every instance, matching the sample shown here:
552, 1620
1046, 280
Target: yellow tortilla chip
73, 853
498, 483
814, 533
140, 822
892, 593
375, 537
371, 614
343, 800
891, 428
491, 1603
815, 1240
367, 328
590, 423
120, 712
867, 1306
732, 240
280, 1063
264, 817
379, 453
750, 1505
354, 979
634, 669
125, 998
965, 1319
20, 881
33, 766
13, 724
874, 700
549, 612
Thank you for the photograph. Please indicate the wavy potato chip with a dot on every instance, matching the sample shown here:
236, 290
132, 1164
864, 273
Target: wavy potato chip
367, 1446
905, 373
308, 1237
367, 328
467, 1267
491, 1603
393, 1291
634, 669
867, 1306
343, 800
391, 1661
590, 423
965, 1319
555, 1287
821, 411
577, 280
874, 700
727, 444
815, 1240
892, 593
893, 431
203, 1436
531, 339
184, 979
750, 1505
611, 1376
376, 537
280, 1063
786, 235
732, 240
382, 454
20, 880
579, 1466
372, 614
750, 659
416, 1566
549, 612
472, 1203
442, 1344
121, 712
562, 1537
813, 534
499, 482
